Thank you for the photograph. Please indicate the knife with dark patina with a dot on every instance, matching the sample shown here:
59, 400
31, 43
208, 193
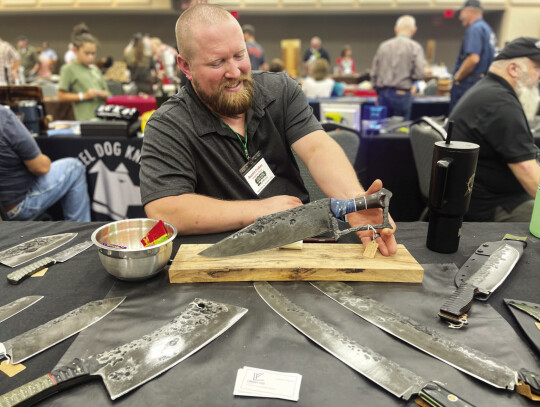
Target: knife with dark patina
306, 221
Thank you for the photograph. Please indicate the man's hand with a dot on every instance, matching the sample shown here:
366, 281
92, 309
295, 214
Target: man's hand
278, 203
386, 240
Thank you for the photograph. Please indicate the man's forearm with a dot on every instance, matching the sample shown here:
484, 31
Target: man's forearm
467, 67
198, 214
528, 175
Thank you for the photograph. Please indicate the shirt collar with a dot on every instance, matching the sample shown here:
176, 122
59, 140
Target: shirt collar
209, 123
502, 81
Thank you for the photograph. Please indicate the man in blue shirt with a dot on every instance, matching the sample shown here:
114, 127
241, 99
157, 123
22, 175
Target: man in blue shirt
255, 51
476, 53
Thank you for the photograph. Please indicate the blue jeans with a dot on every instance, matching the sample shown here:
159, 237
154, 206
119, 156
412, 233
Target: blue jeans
398, 104
459, 89
65, 182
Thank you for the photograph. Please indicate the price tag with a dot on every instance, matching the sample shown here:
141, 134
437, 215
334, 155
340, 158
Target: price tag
11, 369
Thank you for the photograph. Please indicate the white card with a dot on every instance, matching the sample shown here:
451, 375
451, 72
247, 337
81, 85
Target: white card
255, 382
259, 176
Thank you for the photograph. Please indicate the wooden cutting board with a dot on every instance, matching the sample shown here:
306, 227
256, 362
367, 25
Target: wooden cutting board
314, 262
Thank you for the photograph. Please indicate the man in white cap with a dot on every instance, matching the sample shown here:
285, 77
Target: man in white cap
494, 114
476, 53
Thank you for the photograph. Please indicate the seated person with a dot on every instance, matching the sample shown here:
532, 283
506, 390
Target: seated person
197, 144
493, 114
319, 84
30, 183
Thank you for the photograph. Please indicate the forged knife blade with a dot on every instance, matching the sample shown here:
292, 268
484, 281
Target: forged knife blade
397, 380
455, 354
312, 219
19, 275
481, 274
36, 340
31, 249
8, 310
139, 361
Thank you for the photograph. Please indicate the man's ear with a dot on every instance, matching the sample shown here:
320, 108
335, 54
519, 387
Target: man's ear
513, 69
184, 66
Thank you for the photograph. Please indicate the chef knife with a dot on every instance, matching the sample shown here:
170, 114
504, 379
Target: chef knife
19, 275
31, 249
133, 364
8, 310
312, 219
457, 355
36, 340
397, 380
479, 277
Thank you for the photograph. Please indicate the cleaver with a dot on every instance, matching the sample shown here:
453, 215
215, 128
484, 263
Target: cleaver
27, 251
479, 277
312, 219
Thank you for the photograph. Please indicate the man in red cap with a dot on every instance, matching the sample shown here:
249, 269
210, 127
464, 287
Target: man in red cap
494, 114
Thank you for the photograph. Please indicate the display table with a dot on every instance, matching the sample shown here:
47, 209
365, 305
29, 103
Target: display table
261, 338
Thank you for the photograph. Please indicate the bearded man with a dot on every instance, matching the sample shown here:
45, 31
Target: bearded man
217, 155
494, 114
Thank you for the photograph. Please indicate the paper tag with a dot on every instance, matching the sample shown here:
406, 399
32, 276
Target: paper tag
40, 273
255, 382
371, 249
538, 325
257, 173
11, 369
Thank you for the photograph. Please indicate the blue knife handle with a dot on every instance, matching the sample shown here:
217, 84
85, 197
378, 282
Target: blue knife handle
19, 275
341, 207
437, 396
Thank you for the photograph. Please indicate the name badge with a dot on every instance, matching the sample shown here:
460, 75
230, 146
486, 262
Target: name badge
257, 173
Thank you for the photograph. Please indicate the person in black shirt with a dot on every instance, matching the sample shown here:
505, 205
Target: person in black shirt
494, 114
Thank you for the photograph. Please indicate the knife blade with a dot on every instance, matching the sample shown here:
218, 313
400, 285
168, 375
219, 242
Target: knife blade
457, 355
133, 364
19, 275
23, 252
8, 310
399, 381
36, 340
490, 264
312, 219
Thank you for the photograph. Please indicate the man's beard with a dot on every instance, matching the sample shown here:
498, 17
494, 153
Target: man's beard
529, 96
224, 103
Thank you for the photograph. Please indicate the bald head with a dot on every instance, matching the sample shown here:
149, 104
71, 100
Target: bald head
198, 15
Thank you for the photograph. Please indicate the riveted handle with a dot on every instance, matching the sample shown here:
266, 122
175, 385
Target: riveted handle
19, 275
437, 396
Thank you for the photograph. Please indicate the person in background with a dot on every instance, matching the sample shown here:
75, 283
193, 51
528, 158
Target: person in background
276, 65
494, 114
138, 57
315, 51
50, 54
10, 62
345, 63
318, 84
225, 117
164, 57
70, 54
29, 58
255, 51
397, 64
476, 53
30, 183
81, 82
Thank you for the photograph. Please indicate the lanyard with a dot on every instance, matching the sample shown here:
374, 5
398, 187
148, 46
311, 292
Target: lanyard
244, 143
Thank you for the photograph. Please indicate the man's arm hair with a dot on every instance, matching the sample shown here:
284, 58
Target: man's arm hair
528, 174
39, 165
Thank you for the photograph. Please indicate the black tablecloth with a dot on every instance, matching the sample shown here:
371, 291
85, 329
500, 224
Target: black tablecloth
261, 338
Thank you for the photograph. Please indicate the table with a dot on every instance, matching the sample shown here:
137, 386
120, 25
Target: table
261, 338
112, 171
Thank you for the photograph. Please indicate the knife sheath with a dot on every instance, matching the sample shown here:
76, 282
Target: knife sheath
528, 324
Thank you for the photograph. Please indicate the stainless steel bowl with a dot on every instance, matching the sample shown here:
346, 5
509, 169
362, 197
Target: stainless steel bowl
136, 262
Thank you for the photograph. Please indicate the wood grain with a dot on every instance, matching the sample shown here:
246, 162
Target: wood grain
315, 262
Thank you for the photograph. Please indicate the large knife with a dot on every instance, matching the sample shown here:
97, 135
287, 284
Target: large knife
133, 364
479, 277
397, 380
8, 310
19, 275
31, 249
458, 355
312, 219
36, 340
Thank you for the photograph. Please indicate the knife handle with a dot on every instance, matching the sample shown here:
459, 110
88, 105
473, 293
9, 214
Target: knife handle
459, 303
341, 207
19, 275
437, 396
46, 385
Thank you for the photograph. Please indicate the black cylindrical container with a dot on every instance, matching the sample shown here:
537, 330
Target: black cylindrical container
452, 176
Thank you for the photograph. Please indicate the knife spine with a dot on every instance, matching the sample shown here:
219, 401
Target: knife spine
17, 276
